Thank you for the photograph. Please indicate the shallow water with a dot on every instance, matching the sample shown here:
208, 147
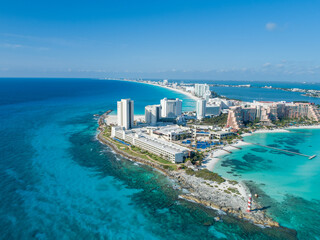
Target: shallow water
58, 182
288, 183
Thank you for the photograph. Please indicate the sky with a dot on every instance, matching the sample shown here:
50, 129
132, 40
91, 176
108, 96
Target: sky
268, 40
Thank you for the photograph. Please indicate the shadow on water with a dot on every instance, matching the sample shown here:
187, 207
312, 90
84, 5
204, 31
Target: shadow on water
249, 162
260, 209
292, 211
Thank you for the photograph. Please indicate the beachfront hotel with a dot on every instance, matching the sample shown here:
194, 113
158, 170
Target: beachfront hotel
266, 112
152, 114
201, 108
167, 150
211, 107
201, 90
125, 113
170, 107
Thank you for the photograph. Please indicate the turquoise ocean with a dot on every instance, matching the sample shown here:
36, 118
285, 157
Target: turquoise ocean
58, 182
288, 184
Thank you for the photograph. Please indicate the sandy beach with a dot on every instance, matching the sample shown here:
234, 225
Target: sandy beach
281, 130
304, 127
169, 88
278, 130
214, 156
179, 91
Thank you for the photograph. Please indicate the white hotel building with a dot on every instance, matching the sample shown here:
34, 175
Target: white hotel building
152, 114
125, 114
201, 108
171, 108
201, 90
167, 150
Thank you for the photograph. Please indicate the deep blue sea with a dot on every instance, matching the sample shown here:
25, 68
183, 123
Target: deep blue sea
58, 182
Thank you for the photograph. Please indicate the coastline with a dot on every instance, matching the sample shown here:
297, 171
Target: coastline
228, 196
281, 130
189, 95
215, 155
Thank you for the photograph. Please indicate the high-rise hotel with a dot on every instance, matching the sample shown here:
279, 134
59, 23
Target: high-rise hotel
201, 108
125, 113
202, 90
171, 108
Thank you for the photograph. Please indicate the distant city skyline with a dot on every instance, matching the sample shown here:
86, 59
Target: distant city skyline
201, 40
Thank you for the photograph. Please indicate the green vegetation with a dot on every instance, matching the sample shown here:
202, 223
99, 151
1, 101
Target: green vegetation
206, 174
284, 122
107, 131
220, 120
216, 95
197, 157
151, 155
233, 182
137, 152
234, 190
170, 167
229, 139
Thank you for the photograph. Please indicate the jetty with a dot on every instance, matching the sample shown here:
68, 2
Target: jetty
226, 150
283, 150
103, 116
236, 147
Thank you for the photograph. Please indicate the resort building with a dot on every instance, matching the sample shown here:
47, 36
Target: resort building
213, 107
165, 82
171, 132
201, 108
213, 110
125, 113
167, 150
190, 89
222, 134
223, 103
171, 108
200, 90
152, 114
266, 112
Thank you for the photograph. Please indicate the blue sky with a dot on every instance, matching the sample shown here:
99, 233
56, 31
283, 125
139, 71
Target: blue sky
217, 39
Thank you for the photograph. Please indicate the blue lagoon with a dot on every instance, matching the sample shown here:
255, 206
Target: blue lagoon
287, 184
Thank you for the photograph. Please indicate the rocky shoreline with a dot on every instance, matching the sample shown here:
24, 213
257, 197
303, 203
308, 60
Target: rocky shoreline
208, 193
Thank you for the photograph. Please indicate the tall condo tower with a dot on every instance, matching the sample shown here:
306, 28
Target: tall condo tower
152, 114
201, 109
125, 113
171, 108
200, 90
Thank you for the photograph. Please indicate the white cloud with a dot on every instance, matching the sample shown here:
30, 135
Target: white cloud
9, 45
266, 64
270, 26
20, 46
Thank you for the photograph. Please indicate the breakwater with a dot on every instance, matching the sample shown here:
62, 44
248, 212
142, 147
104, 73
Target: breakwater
283, 150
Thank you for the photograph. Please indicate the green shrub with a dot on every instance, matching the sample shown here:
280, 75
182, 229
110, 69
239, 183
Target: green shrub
234, 190
233, 182
206, 174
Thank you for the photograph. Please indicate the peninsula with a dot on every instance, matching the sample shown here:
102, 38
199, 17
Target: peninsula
186, 145
203, 186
